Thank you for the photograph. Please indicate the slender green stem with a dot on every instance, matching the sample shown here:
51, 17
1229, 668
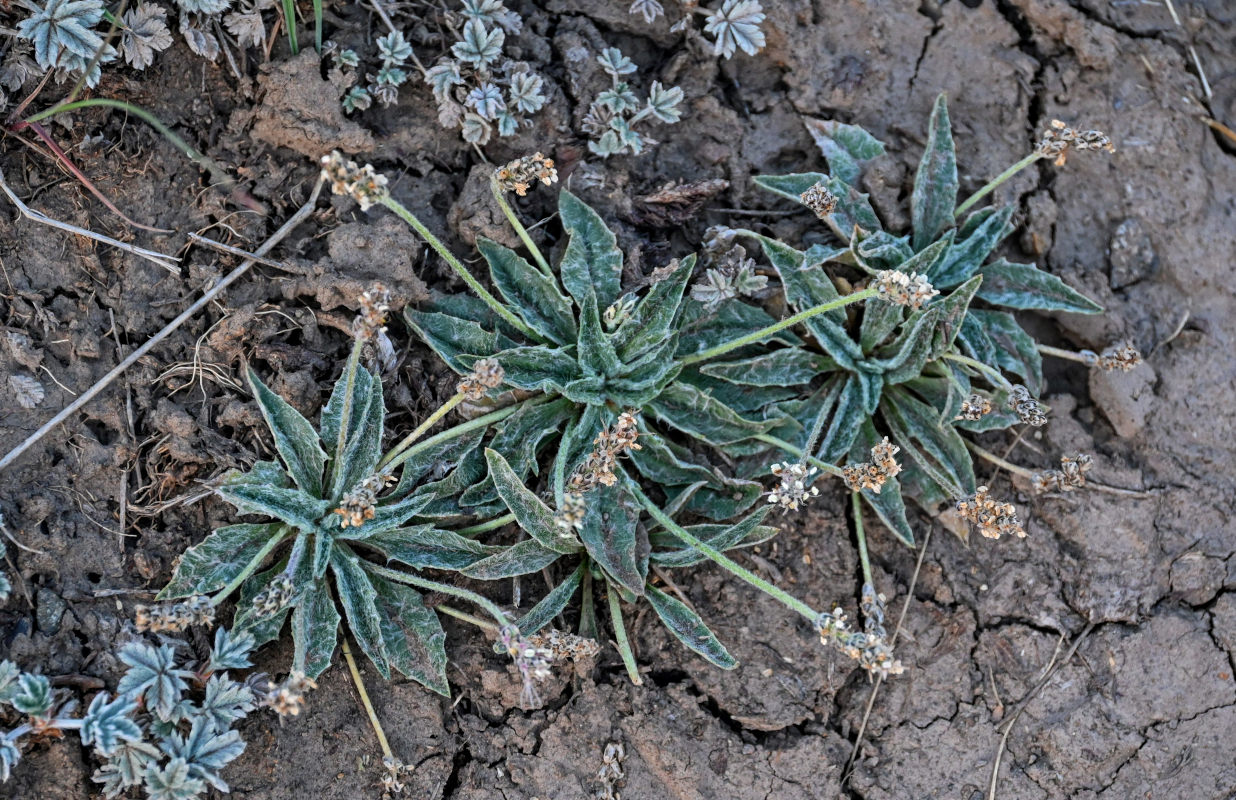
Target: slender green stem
428, 423
587, 608
317, 26
620, 633
996, 181
764, 333
364, 696
345, 415
251, 567
998, 461
718, 557
992, 373
289, 18
451, 611
798, 452
461, 429
460, 270
485, 527
520, 230
483, 603
1069, 355
860, 534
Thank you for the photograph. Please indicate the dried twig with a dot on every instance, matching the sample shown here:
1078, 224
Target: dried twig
206, 298
165, 261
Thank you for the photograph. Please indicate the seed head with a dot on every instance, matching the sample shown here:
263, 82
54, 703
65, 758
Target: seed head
274, 598
519, 175
174, 617
288, 698
1070, 476
363, 184
875, 473
820, 200
1123, 356
358, 506
975, 407
597, 468
486, 374
1059, 139
532, 661
562, 645
993, 519
904, 288
793, 491
370, 321
1027, 409
570, 516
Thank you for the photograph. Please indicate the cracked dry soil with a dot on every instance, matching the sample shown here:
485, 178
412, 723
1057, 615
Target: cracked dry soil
1146, 707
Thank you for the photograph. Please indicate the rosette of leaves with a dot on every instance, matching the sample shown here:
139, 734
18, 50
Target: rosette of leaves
594, 352
887, 370
62, 33
614, 114
324, 569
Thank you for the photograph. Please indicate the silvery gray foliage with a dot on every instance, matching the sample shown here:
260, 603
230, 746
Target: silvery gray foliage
144, 33
157, 732
63, 35
734, 24
613, 115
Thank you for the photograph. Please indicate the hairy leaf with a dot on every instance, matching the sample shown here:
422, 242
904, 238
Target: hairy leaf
521, 558
363, 446
536, 518
1015, 349
315, 625
609, 534
651, 322
536, 368
935, 183
295, 438
215, 562
412, 635
358, 597
592, 262
424, 547
746, 532
692, 411
784, 367
1025, 286
534, 296
688, 628
844, 146
292, 506
552, 604
967, 255
937, 449
451, 337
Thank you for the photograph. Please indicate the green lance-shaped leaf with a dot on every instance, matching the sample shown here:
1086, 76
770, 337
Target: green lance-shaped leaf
1026, 287
688, 628
412, 635
882, 250
451, 337
437, 458
935, 185
950, 312
910, 351
651, 322
974, 341
363, 445
521, 558
592, 262
888, 503
215, 562
702, 329
553, 603
937, 449
659, 461
535, 369
1016, 351
315, 627
844, 147
295, 438
534, 296
966, 255
577, 438
596, 352
389, 513
610, 535
536, 518
785, 367
426, 547
358, 597
691, 411
745, 532
296, 508
790, 186
850, 411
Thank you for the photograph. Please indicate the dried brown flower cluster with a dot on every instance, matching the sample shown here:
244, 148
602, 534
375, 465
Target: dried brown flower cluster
519, 175
1059, 139
992, 518
974, 407
1123, 356
869, 647
1027, 409
531, 661
275, 597
175, 617
288, 698
392, 780
820, 200
611, 771
793, 491
598, 468
562, 646
1070, 476
375, 304
486, 374
904, 288
358, 506
874, 473
570, 515
363, 184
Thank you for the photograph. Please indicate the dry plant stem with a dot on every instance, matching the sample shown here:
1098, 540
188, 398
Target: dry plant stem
461, 429
451, 611
165, 261
860, 535
86, 396
1025, 701
443, 588
764, 333
998, 461
995, 182
798, 452
720, 558
620, 633
251, 567
875, 690
522, 232
429, 422
1057, 352
992, 375
460, 270
197, 238
364, 696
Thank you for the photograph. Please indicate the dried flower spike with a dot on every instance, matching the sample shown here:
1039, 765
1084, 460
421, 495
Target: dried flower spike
904, 288
875, 473
598, 468
561, 645
274, 598
174, 617
486, 374
358, 506
570, 516
793, 491
975, 407
363, 184
1059, 139
532, 661
1070, 476
993, 519
370, 321
820, 200
1123, 356
519, 175
1027, 409
288, 698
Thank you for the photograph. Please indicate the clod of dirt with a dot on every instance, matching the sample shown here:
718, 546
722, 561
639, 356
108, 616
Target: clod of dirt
476, 213
1125, 398
1131, 254
301, 111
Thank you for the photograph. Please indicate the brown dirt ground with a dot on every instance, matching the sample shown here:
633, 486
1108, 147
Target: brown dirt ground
1146, 708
